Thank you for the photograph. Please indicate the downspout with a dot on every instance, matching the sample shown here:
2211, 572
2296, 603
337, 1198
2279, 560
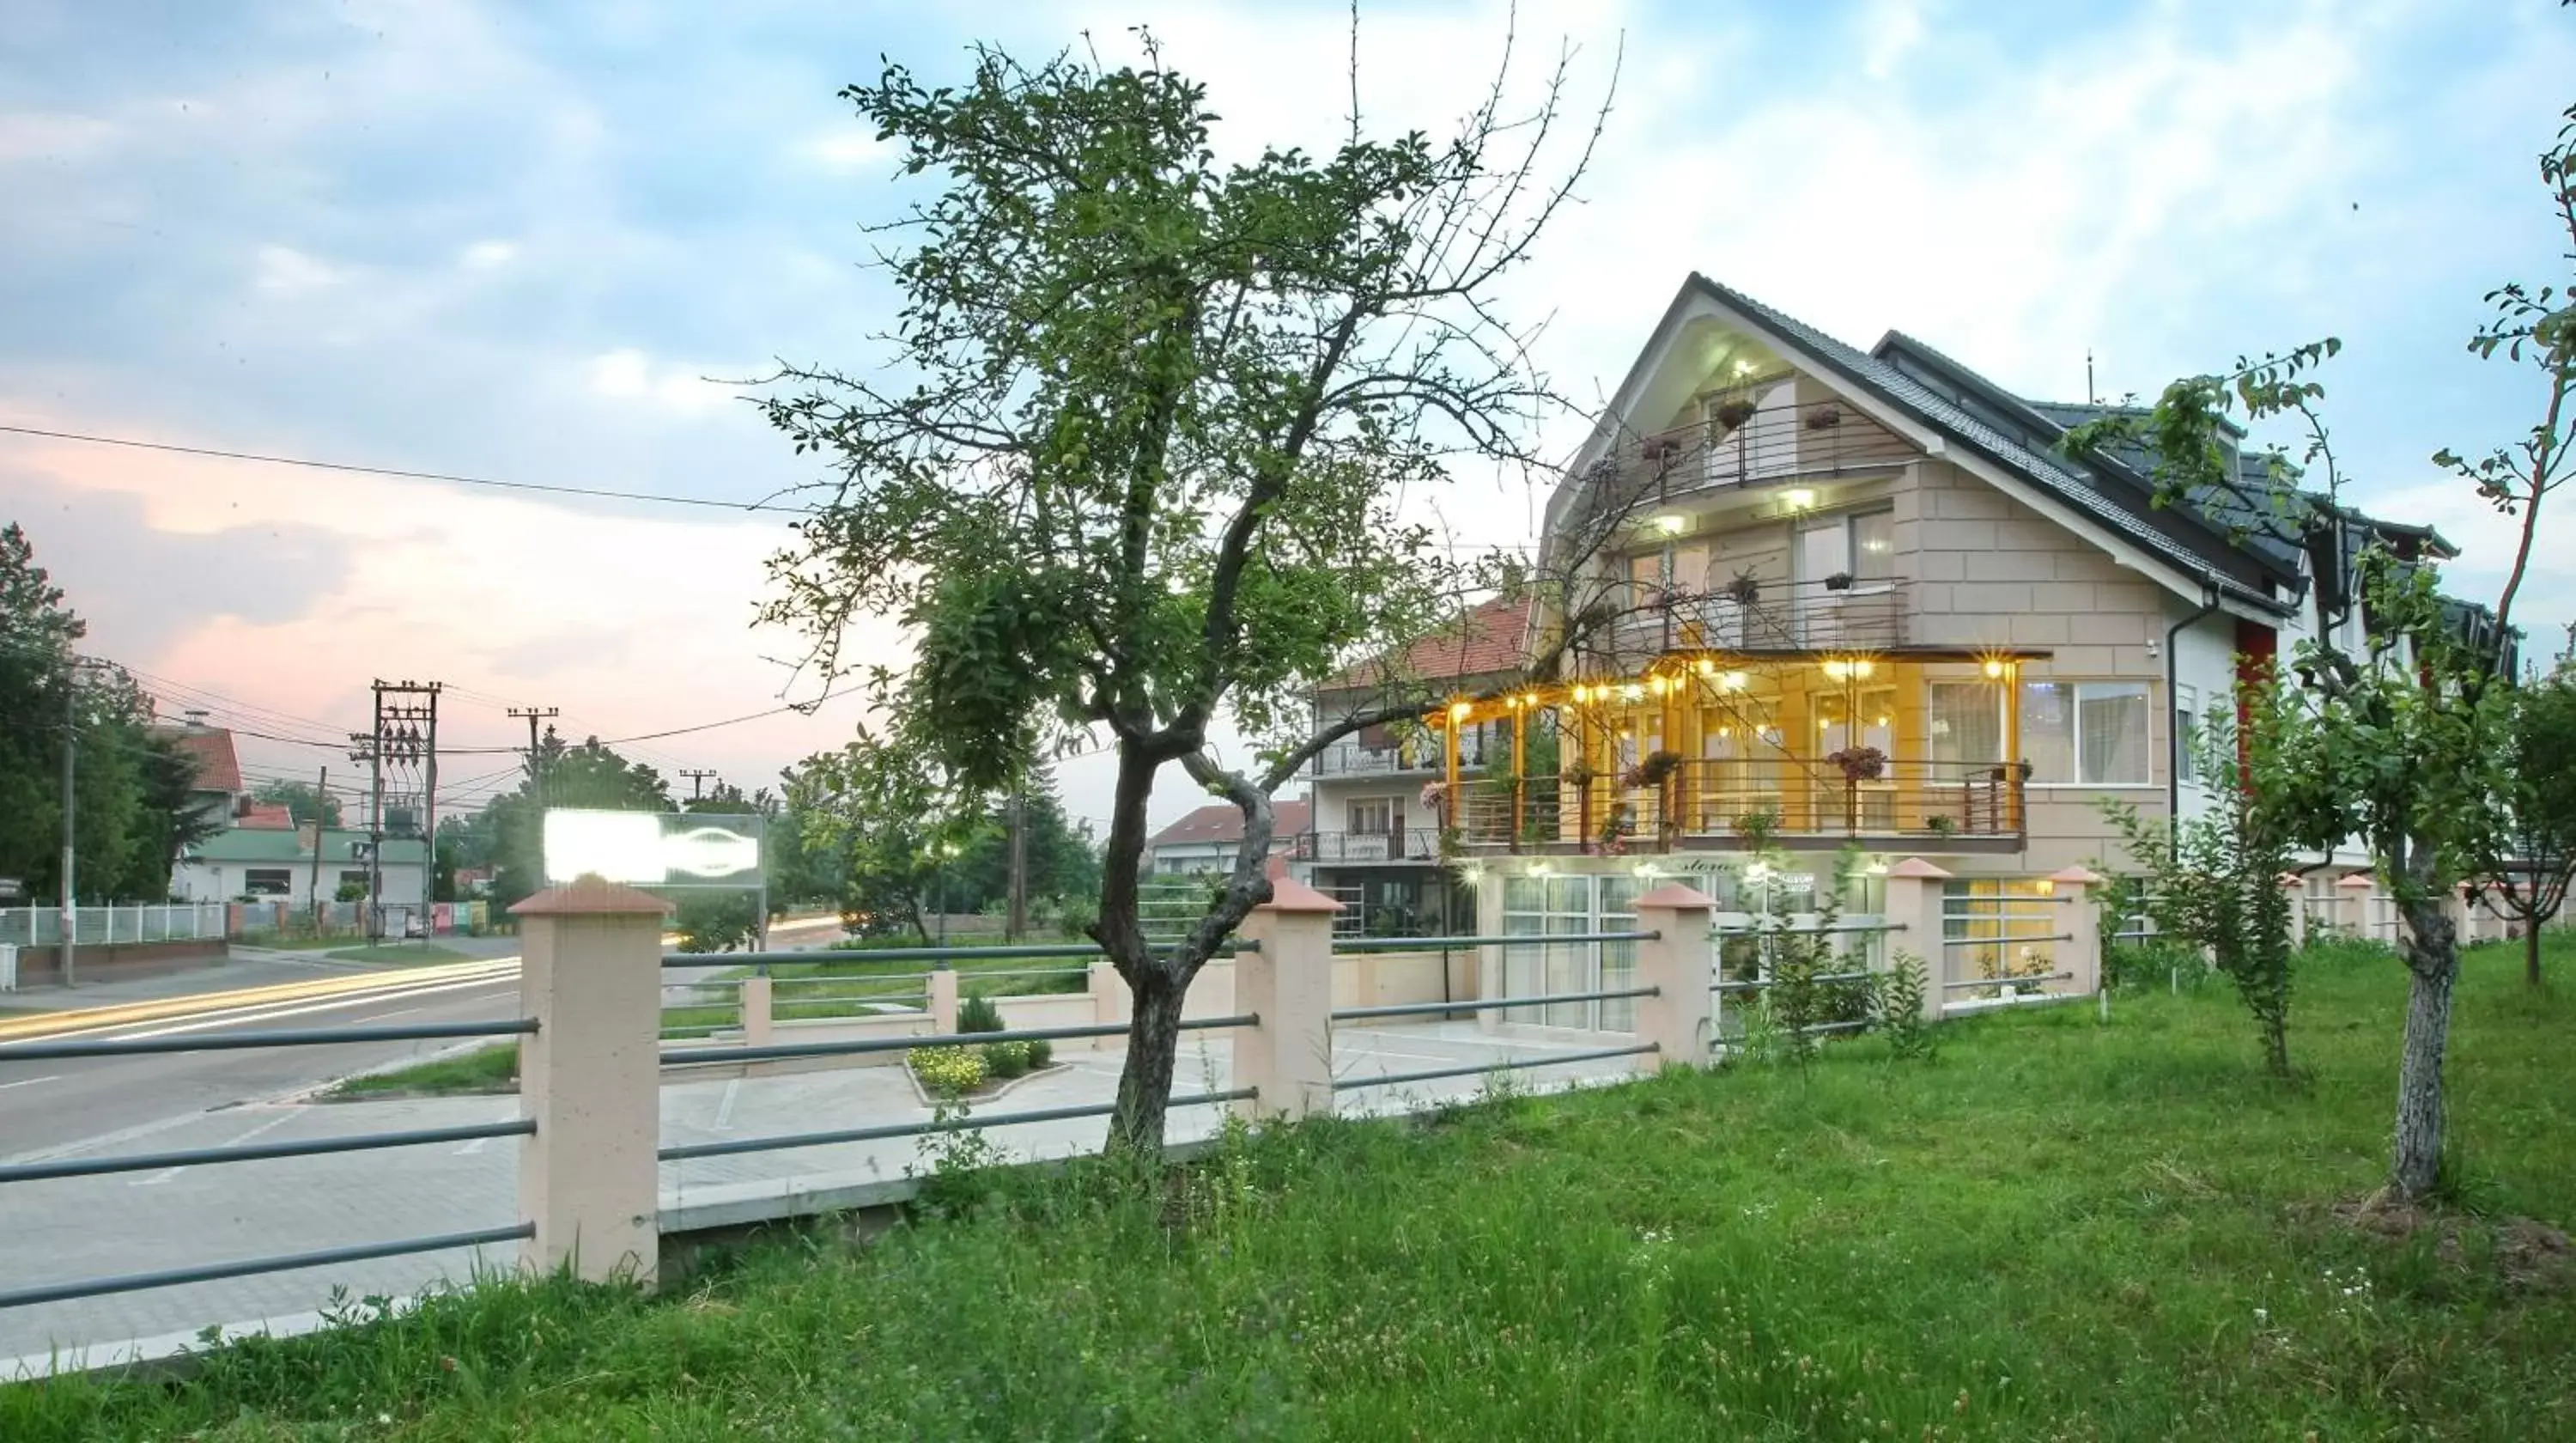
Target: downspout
2173, 773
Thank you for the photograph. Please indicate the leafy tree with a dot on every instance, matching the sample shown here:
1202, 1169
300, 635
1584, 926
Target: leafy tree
1063, 859
2214, 880
303, 801
871, 807
2401, 741
2526, 864
1143, 465
588, 776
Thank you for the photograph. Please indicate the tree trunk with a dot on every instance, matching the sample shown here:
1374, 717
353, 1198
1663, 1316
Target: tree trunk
1153, 1054
2433, 965
2531, 952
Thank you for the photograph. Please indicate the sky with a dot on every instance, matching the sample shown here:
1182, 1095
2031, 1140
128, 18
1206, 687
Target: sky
559, 244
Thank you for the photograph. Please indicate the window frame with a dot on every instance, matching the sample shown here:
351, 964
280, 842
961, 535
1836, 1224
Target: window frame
284, 884
2075, 738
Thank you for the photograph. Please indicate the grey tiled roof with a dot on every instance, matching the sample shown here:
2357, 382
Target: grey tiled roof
2053, 474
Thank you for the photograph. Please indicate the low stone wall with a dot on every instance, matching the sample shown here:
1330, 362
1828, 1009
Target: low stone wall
1392, 979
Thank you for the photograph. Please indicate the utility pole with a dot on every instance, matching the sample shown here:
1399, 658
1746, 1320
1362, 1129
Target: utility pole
321, 819
71, 741
1019, 914
697, 780
536, 781
405, 736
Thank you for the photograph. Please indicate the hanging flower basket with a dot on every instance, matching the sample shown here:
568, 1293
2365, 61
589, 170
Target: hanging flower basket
1578, 775
1824, 418
1732, 414
1839, 581
1651, 771
1860, 764
1744, 590
1434, 794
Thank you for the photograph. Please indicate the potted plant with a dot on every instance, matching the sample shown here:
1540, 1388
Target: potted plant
1745, 589
1942, 825
1758, 827
1614, 832
1824, 418
1839, 581
2010, 771
1435, 797
1734, 412
1578, 776
1652, 770
1860, 764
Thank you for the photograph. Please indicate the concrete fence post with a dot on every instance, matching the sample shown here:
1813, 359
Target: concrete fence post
2081, 954
1287, 983
1111, 1002
1679, 964
1914, 915
590, 972
943, 1001
759, 1010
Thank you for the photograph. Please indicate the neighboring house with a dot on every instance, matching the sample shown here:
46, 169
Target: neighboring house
1862, 602
1208, 839
277, 863
219, 779
1375, 842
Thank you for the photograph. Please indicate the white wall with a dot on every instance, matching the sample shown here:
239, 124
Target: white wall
225, 881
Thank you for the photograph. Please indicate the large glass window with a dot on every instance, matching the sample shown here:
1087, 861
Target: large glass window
2093, 733
2186, 733
1967, 721
1541, 907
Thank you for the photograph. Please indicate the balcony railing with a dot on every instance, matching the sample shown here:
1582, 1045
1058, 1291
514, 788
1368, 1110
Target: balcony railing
1750, 445
1769, 616
1719, 805
1350, 759
1418, 844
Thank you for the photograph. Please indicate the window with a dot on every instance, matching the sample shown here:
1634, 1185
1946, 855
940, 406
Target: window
1372, 816
267, 882
1873, 546
1861, 546
353, 879
2186, 733
2090, 733
1967, 721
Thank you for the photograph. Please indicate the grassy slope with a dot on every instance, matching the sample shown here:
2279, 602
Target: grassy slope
2056, 1231
485, 1069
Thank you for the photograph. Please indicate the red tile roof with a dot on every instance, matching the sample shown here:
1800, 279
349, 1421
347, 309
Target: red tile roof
1223, 822
1492, 637
211, 748
266, 816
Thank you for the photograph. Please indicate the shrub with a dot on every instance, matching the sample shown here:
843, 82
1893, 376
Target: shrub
1006, 1059
1900, 1007
1041, 1054
978, 1014
947, 1071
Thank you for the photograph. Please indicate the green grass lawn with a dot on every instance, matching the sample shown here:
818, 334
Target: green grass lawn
847, 984
2057, 1230
485, 1069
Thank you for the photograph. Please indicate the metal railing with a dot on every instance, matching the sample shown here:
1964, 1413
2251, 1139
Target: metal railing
855, 957
1755, 617
1350, 759
1413, 844
1493, 1004
1716, 803
1756, 435
737, 1146
258, 1152
1344, 945
860, 1046
100, 924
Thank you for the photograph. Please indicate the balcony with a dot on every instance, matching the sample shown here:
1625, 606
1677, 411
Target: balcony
1750, 443
1713, 805
1402, 846
1423, 755
1768, 618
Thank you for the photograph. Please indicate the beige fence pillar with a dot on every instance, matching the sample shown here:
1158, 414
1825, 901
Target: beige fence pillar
1679, 965
758, 1010
2078, 890
943, 1001
1914, 908
1111, 1002
2296, 887
1287, 983
2352, 894
590, 972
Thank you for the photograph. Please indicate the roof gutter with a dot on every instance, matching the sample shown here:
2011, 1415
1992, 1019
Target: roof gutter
2173, 774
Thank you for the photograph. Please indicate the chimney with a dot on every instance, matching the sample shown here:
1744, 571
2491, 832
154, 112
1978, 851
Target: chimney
196, 717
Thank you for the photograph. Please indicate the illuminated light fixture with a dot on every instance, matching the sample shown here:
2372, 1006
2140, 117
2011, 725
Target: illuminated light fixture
1672, 523
1472, 873
1744, 368
1577, 694
1838, 670
1732, 681
1705, 666
1863, 668
1878, 868
1459, 710
1649, 871
1994, 668
1657, 683
1799, 499
1529, 698
1723, 733
1823, 723
1632, 691
1882, 723
2043, 887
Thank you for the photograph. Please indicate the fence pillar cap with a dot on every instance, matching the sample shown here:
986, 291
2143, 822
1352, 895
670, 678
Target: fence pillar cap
2357, 880
2292, 879
1679, 897
1917, 867
591, 895
1290, 895
2075, 877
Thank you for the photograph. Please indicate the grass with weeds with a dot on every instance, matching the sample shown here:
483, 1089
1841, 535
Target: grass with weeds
485, 1069
400, 952
2058, 1230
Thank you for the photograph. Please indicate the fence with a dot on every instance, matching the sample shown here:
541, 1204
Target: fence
594, 1047
108, 924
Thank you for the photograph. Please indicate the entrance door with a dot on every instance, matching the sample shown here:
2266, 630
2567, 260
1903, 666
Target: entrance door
1543, 907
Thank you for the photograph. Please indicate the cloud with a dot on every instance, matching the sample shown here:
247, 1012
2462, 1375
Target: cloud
627, 374
847, 148
484, 255
285, 271
1889, 30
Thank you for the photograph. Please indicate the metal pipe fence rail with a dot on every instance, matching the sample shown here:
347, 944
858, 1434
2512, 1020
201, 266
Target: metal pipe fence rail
890, 1131
1480, 1069
1343, 946
2003, 937
1757, 984
910, 954
258, 1152
2031, 980
1496, 1004
1870, 929
770, 1052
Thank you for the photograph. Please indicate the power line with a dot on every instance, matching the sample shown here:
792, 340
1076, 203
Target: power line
600, 493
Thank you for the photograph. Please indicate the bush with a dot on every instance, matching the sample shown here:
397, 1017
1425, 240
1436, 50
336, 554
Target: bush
978, 1014
1006, 1059
1041, 1054
947, 1071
